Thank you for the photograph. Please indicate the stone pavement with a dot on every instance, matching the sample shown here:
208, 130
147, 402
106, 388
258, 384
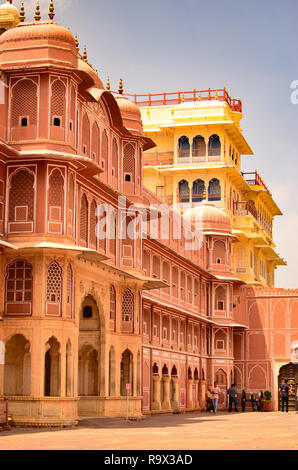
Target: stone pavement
190, 431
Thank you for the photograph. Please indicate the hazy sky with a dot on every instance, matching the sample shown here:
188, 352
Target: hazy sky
249, 46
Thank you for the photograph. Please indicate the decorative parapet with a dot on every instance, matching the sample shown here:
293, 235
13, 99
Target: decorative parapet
271, 292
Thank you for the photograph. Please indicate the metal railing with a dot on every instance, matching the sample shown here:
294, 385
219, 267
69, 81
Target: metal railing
253, 179
164, 99
244, 208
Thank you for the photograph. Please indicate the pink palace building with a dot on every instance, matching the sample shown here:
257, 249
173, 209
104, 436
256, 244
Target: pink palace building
85, 319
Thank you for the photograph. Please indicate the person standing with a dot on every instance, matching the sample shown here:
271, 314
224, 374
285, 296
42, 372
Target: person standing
209, 404
243, 400
215, 396
232, 393
253, 401
260, 401
284, 391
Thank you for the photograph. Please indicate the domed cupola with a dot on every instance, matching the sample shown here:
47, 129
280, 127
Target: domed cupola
40, 42
9, 16
211, 218
131, 114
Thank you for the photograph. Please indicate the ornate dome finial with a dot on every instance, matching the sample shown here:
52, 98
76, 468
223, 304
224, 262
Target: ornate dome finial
37, 12
22, 13
108, 84
120, 90
85, 57
77, 43
51, 11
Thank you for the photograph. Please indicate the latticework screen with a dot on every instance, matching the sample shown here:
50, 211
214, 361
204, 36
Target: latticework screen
21, 193
127, 306
54, 283
24, 102
58, 102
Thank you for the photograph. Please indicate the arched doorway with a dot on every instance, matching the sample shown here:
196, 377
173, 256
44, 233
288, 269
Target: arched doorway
290, 372
91, 361
17, 369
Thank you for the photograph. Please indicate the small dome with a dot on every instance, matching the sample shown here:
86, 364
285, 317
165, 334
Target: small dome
131, 114
88, 69
39, 30
211, 217
9, 16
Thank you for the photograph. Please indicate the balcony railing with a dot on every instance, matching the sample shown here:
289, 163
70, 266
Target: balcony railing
244, 208
253, 179
158, 158
164, 99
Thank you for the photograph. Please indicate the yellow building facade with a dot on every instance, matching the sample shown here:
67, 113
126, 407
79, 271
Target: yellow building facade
199, 147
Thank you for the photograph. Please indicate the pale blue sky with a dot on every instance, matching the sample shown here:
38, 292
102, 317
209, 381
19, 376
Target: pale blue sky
249, 46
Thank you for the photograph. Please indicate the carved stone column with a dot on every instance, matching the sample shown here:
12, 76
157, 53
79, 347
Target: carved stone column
156, 405
196, 403
175, 394
166, 404
190, 401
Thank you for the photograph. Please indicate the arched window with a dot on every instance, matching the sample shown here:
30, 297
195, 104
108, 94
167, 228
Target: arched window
72, 111
104, 154
92, 236
220, 299
56, 202
19, 285
21, 201
127, 311
114, 161
214, 190
199, 147
214, 146
198, 190
112, 308
183, 191
58, 104
69, 292
184, 147
95, 142
84, 221
86, 136
219, 252
24, 104
129, 168
70, 214
54, 289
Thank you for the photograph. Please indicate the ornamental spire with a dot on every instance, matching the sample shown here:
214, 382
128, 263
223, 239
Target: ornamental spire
51, 11
108, 87
22, 13
85, 57
77, 43
37, 12
120, 90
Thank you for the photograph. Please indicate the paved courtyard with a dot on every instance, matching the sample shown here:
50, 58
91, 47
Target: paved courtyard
190, 431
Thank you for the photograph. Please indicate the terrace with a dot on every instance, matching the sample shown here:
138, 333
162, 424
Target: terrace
253, 179
178, 97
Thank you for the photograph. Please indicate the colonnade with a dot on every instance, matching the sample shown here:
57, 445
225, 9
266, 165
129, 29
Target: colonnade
166, 393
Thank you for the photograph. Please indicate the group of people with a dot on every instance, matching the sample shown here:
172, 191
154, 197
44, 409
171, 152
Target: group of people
212, 397
257, 402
